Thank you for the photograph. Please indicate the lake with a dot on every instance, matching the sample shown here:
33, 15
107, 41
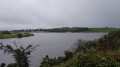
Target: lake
52, 44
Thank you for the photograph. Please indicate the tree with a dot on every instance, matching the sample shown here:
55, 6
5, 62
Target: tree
6, 32
20, 54
19, 35
3, 65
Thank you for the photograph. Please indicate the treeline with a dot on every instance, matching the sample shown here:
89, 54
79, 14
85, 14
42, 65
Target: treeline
69, 29
63, 29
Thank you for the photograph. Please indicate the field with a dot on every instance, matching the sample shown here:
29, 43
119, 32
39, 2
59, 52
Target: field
4, 35
102, 29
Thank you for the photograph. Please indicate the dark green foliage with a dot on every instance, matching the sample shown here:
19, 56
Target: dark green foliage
91, 44
78, 29
12, 65
3, 65
85, 45
90, 59
70, 29
6, 32
20, 54
103, 52
68, 55
20, 35
79, 45
67, 29
47, 62
110, 41
61, 59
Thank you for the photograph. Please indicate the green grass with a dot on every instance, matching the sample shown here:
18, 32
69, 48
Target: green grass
14, 35
102, 29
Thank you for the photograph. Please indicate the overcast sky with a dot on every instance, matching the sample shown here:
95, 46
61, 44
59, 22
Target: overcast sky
23, 14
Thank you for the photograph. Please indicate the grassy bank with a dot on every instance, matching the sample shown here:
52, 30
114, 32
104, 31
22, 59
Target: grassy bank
6, 34
102, 29
104, 52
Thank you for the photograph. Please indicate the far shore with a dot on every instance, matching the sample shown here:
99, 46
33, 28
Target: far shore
7, 34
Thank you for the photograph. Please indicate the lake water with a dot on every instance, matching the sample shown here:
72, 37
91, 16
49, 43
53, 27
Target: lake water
52, 44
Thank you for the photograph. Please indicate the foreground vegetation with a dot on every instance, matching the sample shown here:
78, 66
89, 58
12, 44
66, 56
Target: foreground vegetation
104, 52
7, 34
19, 53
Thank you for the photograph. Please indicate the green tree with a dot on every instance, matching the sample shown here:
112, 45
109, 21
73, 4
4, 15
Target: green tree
3, 65
20, 54
20, 35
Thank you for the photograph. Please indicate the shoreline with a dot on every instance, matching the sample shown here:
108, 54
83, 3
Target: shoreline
7, 35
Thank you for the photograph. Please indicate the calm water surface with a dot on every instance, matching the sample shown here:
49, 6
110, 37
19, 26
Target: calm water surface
52, 44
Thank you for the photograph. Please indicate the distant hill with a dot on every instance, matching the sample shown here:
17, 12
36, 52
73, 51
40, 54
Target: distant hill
68, 29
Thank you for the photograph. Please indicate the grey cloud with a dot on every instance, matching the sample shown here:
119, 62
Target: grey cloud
21, 14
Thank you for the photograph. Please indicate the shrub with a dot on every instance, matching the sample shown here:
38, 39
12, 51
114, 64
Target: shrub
90, 59
3, 65
20, 54
60, 59
79, 45
110, 41
12, 65
48, 62
91, 44
6, 32
85, 45
19, 35
68, 55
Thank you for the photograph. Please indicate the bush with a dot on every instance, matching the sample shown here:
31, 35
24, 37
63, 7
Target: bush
48, 62
20, 54
85, 45
79, 45
60, 59
3, 65
12, 65
6, 32
91, 44
68, 55
19, 35
90, 59
110, 41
